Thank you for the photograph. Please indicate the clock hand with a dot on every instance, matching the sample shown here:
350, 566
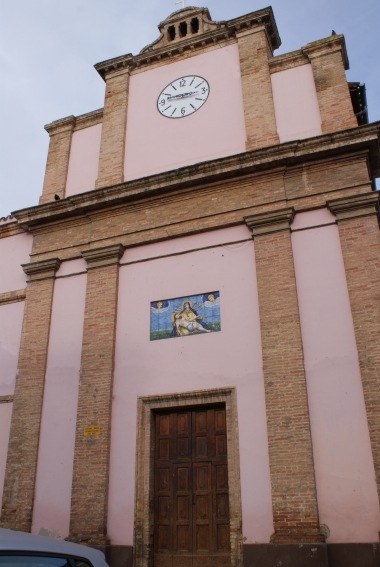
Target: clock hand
183, 95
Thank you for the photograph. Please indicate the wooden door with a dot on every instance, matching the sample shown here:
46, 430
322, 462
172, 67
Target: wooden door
191, 505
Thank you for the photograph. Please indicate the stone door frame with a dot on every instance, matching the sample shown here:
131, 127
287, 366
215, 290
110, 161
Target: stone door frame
144, 513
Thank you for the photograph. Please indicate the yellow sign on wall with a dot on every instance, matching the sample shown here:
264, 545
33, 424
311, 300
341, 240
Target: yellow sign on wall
91, 430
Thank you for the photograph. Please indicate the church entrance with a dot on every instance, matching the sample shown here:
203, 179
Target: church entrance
191, 493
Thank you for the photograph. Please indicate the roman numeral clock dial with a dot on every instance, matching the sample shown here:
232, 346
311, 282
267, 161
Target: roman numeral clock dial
183, 96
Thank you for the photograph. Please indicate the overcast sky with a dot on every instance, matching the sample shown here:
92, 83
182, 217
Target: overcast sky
48, 49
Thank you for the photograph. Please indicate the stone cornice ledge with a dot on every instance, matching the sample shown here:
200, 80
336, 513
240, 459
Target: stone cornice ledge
12, 296
101, 257
325, 46
364, 138
42, 270
272, 221
61, 125
6, 399
355, 206
9, 226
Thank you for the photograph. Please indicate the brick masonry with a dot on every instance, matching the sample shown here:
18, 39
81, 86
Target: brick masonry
329, 60
295, 511
260, 123
24, 436
360, 241
93, 433
111, 159
58, 158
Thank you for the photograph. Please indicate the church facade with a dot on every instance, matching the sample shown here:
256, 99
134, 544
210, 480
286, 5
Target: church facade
189, 319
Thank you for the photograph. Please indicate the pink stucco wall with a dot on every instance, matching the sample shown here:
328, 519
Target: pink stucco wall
14, 251
5, 426
144, 367
296, 104
57, 438
84, 160
345, 476
11, 316
155, 143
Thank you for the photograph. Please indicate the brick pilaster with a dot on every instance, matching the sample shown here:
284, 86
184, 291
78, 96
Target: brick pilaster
360, 242
92, 444
260, 122
295, 511
329, 60
57, 165
112, 146
26, 416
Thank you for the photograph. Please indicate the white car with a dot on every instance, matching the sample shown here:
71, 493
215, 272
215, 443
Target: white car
18, 549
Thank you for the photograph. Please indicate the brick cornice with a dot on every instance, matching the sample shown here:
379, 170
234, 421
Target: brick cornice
42, 270
102, 257
66, 124
71, 123
272, 221
9, 226
250, 31
354, 206
325, 47
364, 139
89, 119
288, 61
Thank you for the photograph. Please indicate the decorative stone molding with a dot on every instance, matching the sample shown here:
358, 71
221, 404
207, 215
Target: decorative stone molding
66, 124
6, 220
210, 33
288, 61
261, 160
327, 46
42, 270
272, 221
114, 66
9, 227
355, 206
89, 119
6, 399
12, 296
101, 257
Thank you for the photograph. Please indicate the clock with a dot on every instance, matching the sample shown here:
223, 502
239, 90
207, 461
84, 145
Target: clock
183, 96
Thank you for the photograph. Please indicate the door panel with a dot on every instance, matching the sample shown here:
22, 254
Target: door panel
191, 500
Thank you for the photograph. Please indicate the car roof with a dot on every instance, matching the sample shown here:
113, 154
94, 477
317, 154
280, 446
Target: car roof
19, 541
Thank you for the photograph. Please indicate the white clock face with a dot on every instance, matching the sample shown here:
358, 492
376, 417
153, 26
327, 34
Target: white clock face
183, 96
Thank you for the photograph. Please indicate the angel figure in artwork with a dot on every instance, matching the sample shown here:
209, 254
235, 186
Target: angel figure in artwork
160, 306
188, 321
